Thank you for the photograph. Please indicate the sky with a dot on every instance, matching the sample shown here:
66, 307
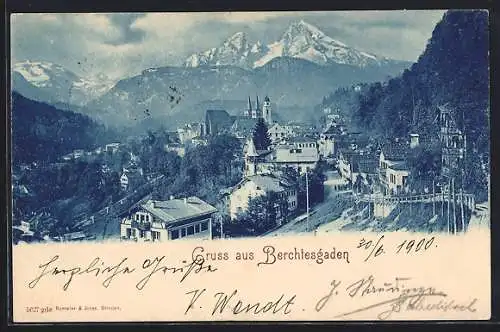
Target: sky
123, 44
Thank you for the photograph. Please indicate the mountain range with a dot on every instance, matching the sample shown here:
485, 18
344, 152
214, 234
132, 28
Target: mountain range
301, 40
48, 82
296, 71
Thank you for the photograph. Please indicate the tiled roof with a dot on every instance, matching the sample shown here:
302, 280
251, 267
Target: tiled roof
395, 150
219, 120
244, 124
267, 182
333, 130
300, 139
368, 166
177, 209
399, 166
287, 155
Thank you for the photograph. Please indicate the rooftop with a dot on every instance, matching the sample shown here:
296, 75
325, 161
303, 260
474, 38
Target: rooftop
242, 123
301, 139
267, 182
178, 209
287, 155
395, 150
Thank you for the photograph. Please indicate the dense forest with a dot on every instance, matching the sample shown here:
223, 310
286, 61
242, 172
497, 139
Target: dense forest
43, 133
454, 71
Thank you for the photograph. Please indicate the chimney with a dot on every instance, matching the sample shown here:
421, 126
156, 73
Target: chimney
414, 140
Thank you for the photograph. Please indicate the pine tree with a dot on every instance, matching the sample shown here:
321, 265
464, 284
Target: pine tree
261, 137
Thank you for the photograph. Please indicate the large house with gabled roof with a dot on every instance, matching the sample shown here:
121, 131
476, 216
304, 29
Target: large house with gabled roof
173, 219
393, 170
258, 185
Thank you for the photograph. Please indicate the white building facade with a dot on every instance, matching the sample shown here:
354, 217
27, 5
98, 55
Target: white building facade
256, 186
169, 220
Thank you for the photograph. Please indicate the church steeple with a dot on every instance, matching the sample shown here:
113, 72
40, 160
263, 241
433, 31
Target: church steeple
249, 107
257, 107
266, 111
251, 156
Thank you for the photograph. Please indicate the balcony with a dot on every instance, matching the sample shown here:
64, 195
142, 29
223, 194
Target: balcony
142, 226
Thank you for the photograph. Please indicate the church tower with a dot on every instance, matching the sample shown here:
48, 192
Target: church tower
266, 111
256, 112
251, 157
249, 110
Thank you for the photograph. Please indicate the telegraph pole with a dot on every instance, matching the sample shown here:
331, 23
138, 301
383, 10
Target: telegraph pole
454, 200
433, 199
307, 200
221, 230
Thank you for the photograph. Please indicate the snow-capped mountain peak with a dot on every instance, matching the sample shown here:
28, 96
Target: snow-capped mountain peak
39, 73
61, 84
238, 41
235, 50
300, 40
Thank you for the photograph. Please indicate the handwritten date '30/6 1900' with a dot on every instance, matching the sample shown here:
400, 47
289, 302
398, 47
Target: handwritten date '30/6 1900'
376, 248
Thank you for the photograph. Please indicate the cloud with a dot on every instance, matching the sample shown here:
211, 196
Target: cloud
120, 44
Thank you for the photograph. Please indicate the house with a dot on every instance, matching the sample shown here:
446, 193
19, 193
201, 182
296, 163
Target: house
105, 169
74, 236
131, 177
328, 140
78, 153
299, 153
189, 131
188, 217
259, 185
198, 141
393, 171
177, 148
279, 132
112, 147
23, 232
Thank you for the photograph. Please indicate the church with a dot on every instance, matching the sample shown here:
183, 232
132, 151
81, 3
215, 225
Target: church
219, 121
258, 112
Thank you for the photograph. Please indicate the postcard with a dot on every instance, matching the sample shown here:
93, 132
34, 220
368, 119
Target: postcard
250, 166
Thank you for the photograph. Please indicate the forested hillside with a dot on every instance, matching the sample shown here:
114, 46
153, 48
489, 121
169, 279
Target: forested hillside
43, 133
453, 70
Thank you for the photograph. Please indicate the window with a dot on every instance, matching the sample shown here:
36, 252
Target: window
197, 228
142, 217
129, 232
190, 230
147, 217
183, 232
204, 226
136, 217
141, 233
174, 234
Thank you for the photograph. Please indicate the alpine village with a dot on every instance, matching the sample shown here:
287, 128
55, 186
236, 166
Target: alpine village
407, 150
